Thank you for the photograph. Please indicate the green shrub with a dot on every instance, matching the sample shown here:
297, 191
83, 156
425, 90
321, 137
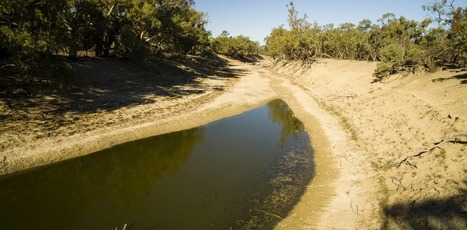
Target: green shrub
383, 70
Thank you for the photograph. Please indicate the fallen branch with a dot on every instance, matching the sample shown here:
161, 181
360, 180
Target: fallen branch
451, 138
124, 227
268, 213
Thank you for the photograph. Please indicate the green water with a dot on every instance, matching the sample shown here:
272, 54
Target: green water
241, 172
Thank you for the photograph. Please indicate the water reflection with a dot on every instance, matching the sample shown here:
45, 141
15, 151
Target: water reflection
281, 114
122, 175
240, 172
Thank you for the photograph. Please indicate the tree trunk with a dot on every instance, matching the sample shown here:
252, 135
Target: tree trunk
109, 39
73, 49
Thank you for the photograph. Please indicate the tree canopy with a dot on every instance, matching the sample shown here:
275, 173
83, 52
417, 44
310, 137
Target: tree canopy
394, 41
237, 47
32, 32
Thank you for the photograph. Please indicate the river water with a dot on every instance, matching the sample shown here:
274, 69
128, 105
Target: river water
241, 172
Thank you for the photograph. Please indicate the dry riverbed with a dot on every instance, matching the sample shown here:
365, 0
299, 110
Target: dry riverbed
365, 134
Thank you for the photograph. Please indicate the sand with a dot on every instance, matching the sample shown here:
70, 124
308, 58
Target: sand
386, 122
360, 131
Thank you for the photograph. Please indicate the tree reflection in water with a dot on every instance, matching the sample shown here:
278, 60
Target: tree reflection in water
281, 114
232, 173
117, 178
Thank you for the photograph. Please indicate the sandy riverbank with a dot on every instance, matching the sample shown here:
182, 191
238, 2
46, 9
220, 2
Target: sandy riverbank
385, 123
360, 131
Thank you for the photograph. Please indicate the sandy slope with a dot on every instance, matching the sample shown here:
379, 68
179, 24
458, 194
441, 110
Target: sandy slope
360, 131
387, 122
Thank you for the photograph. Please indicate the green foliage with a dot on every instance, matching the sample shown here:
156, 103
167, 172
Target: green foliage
129, 44
277, 43
391, 53
236, 47
131, 27
383, 70
32, 32
29, 34
296, 43
398, 43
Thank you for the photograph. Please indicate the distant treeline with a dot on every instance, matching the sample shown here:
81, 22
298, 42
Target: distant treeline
395, 42
237, 47
35, 35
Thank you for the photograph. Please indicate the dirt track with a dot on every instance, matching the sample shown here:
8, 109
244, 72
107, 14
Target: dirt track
360, 131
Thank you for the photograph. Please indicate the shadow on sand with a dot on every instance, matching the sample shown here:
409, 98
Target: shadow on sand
461, 77
110, 84
447, 213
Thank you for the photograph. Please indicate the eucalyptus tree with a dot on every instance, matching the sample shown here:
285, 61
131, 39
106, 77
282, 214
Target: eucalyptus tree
447, 42
30, 32
396, 42
277, 43
296, 43
83, 22
34, 32
399, 40
238, 47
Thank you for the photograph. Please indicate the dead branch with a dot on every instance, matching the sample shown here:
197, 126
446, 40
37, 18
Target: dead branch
268, 213
451, 138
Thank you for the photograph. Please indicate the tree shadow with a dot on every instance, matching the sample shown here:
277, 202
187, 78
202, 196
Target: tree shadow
448, 213
461, 77
109, 84
212, 66
252, 59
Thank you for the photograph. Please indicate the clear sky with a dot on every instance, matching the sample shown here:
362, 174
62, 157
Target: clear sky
256, 18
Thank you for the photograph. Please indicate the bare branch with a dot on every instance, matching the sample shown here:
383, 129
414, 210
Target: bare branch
451, 138
111, 10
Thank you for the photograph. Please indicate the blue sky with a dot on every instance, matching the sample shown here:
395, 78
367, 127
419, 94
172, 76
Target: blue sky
256, 18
